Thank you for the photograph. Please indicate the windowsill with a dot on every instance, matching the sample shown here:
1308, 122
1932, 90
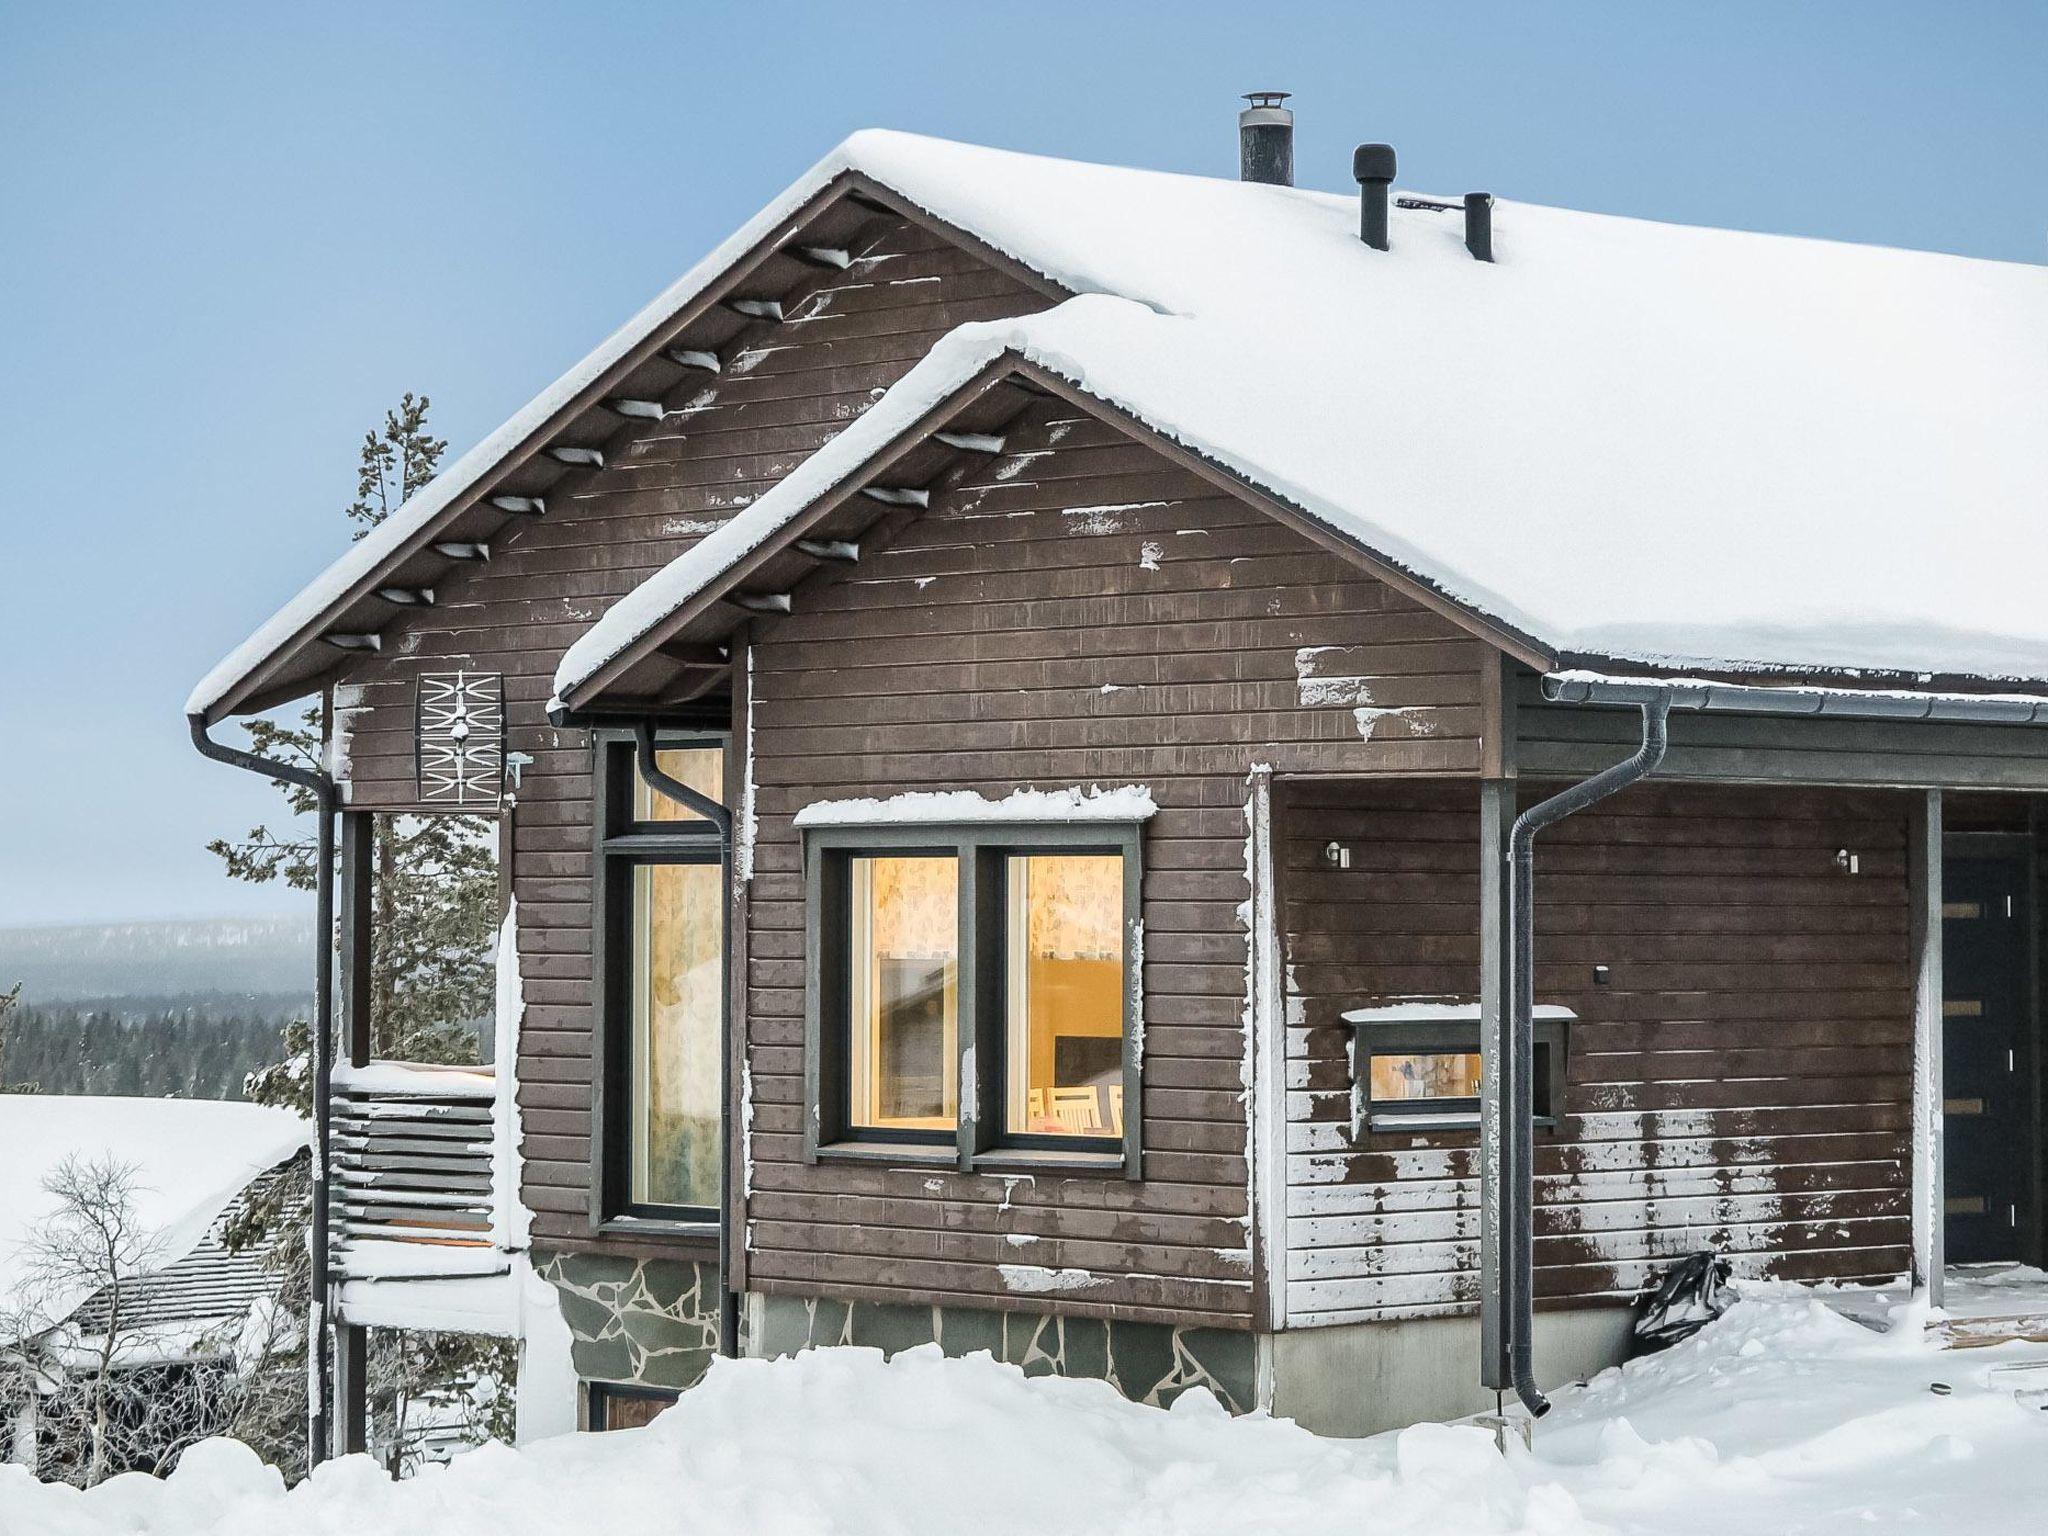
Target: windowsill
1051, 1159
995, 1160
658, 1229
1383, 1123
889, 1152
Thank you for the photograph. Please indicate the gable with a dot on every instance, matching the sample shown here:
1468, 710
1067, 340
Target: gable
736, 307
785, 390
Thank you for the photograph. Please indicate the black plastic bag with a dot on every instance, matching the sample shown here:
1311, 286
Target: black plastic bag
1693, 1292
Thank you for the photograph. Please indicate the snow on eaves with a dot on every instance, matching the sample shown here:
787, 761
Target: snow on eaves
1627, 441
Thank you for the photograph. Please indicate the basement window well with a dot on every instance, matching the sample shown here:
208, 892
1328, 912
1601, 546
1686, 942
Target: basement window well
1415, 1065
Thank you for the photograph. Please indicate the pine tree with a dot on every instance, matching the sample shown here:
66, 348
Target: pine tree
434, 888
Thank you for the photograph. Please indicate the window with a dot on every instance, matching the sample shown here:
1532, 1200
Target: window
1416, 1065
615, 1407
662, 985
903, 991
1063, 931
985, 963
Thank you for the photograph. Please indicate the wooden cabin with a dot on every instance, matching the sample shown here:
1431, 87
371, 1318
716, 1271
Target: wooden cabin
1006, 692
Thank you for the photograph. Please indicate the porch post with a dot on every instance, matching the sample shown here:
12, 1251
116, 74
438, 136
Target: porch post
351, 1342
1496, 817
1923, 866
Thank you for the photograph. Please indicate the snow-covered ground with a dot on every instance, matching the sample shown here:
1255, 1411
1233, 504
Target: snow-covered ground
1783, 1417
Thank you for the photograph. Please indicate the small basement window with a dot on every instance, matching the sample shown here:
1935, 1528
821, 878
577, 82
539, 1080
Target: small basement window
1415, 1065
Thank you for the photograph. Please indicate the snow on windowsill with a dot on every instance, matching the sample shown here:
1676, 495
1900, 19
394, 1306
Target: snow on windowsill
1438, 1010
1133, 802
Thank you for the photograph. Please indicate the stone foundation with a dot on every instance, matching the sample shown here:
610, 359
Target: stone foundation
1147, 1362
636, 1322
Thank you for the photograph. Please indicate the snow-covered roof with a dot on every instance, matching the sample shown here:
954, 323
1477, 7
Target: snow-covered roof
1623, 440
1643, 442
190, 1159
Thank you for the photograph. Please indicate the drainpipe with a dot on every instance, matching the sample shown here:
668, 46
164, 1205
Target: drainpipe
1518, 1064
674, 789
327, 802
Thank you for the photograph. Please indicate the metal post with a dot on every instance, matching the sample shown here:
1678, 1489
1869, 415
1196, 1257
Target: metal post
1496, 813
358, 865
1923, 876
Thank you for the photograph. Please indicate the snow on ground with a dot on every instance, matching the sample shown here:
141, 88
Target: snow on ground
190, 1158
1784, 1417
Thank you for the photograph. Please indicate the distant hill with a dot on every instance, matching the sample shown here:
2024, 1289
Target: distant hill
229, 960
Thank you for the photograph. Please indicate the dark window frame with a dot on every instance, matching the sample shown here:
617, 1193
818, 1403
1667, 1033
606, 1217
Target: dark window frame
981, 1137
622, 846
599, 1395
1445, 1037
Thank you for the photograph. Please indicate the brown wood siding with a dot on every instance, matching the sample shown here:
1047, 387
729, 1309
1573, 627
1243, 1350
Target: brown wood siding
1743, 1081
1078, 611
850, 335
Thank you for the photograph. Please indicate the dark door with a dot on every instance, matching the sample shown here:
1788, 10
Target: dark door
1989, 1150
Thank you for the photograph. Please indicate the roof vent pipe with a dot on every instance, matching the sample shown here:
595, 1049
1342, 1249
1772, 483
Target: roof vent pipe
1265, 140
1372, 166
1479, 225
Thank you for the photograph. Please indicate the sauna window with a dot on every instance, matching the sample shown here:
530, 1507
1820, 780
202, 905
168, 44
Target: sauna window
970, 990
662, 975
1416, 1065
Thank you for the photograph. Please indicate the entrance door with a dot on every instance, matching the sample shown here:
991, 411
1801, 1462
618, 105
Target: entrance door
1988, 1120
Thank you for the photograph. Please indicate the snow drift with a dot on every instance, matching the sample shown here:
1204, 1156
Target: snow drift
1782, 1416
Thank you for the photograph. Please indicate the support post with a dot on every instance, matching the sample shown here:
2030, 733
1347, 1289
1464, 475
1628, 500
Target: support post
1496, 816
1923, 875
358, 866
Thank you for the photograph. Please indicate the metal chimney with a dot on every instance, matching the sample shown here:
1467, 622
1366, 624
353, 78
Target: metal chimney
1265, 140
1372, 166
1479, 225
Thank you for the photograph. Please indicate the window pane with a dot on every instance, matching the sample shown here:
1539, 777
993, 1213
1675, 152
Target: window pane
702, 768
1425, 1075
1065, 1008
678, 938
903, 992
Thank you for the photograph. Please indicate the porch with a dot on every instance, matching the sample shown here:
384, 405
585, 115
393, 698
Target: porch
1982, 1305
1740, 1041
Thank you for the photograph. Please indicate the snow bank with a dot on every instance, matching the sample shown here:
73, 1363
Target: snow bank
191, 1157
837, 1441
1782, 1417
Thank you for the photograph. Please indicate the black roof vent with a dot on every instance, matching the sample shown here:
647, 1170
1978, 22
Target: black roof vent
1372, 167
1265, 140
1479, 225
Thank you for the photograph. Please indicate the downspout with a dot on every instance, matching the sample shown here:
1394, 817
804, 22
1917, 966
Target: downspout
649, 764
327, 802
1518, 1065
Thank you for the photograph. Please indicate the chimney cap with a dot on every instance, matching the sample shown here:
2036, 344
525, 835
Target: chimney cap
1372, 162
1267, 98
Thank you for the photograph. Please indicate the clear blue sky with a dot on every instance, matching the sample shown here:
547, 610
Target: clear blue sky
230, 235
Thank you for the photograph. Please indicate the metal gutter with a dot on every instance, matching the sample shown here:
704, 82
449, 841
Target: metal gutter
327, 801
649, 765
1517, 1070
1704, 694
